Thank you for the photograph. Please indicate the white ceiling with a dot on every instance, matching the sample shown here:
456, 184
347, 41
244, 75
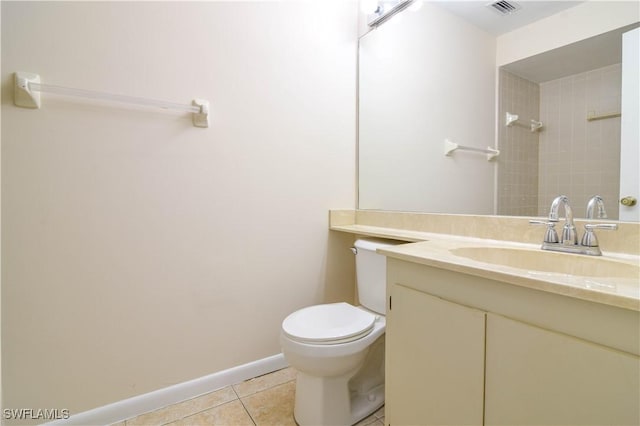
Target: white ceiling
590, 54
595, 52
481, 15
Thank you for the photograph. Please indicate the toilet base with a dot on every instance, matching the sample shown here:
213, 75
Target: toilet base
329, 403
363, 406
344, 399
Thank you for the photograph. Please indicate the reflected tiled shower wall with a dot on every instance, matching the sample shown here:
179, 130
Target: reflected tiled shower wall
580, 158
517, 179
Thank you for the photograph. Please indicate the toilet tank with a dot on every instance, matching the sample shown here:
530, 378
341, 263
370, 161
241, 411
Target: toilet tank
371, 273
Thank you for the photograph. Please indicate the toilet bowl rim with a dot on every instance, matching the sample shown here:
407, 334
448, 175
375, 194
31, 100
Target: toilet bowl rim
329, 323
332, 350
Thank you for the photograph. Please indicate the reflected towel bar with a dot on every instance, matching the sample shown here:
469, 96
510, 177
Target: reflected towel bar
594, 117
512, 119
28, 84
449, 147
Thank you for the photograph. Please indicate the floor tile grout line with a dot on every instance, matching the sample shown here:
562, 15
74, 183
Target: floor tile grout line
189, 399
261, 390
244, 406
248, 413
206, 409
215, 406
257, 393
237, 397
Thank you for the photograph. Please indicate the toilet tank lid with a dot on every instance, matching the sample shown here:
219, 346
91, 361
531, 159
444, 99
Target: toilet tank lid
372, 244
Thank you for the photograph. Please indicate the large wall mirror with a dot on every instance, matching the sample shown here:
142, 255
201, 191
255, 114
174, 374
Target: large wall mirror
430, 81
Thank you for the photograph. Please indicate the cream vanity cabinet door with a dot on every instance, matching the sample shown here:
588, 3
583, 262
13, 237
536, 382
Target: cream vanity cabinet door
536, 376
435, 361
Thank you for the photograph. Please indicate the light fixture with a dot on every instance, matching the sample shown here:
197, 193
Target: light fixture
386, 9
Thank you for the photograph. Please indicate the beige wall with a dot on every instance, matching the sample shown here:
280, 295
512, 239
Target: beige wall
138, 250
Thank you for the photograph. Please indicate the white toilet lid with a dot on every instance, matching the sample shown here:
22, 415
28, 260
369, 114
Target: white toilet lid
328, 324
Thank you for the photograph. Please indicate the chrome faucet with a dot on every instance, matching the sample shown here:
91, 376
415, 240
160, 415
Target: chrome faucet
569, 234
596, 202
569, 241
589, 238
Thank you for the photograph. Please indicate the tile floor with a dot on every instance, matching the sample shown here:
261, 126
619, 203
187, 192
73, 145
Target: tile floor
262, 401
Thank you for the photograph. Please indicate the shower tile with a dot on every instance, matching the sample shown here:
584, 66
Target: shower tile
273, 406
518, 146
260, 383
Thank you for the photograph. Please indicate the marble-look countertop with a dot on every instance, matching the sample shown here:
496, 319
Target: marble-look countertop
614, 281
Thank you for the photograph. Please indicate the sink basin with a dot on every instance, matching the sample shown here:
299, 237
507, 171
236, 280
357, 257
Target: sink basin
550, 262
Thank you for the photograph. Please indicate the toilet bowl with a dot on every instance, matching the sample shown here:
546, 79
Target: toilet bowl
338, 349
326, 393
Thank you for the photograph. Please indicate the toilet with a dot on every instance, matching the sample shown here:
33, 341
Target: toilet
338, 348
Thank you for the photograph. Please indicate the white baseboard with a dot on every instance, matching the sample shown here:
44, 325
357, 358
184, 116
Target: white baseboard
131, 407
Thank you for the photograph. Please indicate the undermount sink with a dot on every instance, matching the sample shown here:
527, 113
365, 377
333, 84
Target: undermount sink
550, 262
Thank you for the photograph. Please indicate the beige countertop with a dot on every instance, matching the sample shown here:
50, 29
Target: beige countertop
601, 285
612, 279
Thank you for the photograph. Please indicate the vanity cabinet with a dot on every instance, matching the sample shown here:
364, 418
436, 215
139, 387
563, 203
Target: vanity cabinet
537, 376
434, 360
463, 349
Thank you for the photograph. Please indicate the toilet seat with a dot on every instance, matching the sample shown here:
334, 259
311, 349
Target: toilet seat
328, 324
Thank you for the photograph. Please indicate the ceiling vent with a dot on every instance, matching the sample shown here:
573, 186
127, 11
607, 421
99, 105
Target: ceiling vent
504, 7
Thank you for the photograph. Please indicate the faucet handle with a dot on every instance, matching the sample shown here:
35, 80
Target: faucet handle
589, 238
550, 236
607, 226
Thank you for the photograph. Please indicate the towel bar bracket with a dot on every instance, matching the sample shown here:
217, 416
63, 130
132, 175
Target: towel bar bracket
450, 147
23, 95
